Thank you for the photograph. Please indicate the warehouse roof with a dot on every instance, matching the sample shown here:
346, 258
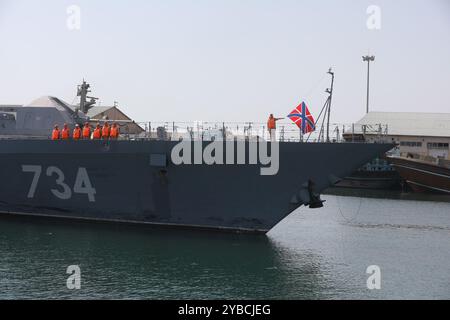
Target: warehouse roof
410, 123
96, 110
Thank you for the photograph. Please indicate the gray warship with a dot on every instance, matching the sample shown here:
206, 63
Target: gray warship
135, 180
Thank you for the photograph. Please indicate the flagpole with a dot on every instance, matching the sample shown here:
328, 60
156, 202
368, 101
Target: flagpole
324, 108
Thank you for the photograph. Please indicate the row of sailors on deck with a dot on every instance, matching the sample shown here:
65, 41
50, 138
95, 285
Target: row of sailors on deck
105, 132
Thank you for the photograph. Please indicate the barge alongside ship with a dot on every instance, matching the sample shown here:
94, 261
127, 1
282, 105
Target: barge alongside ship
423, 173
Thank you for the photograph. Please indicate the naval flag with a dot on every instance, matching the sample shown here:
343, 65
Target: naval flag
303, 118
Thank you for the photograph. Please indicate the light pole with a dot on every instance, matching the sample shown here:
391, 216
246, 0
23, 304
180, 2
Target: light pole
368, 59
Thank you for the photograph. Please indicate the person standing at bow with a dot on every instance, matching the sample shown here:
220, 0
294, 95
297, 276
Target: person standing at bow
272, 126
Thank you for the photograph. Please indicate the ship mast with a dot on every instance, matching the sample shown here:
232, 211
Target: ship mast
330, 92
82, 92
325, 112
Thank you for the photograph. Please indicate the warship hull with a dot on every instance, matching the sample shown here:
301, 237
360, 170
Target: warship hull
136, 182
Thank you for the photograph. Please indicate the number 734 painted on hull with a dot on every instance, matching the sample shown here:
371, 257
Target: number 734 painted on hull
62, 191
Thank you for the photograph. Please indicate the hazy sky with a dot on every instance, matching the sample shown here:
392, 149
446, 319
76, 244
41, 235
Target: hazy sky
231, 60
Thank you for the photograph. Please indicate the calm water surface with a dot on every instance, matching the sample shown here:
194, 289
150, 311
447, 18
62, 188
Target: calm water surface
312, 254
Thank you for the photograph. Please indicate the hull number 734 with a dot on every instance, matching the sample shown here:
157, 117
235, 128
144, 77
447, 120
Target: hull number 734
62, 190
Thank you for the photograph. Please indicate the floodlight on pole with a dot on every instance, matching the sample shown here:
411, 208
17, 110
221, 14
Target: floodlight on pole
368, 59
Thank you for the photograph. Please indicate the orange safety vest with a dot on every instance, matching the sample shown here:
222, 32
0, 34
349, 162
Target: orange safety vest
76, 133
65, 134
105, 132
97, 133
271, 123
55, 134
114, 133
86, 132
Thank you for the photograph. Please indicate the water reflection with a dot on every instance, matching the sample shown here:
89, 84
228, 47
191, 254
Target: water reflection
133, 262
313, 254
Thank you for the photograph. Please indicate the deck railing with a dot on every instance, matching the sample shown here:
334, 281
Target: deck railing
285, 132
207, 131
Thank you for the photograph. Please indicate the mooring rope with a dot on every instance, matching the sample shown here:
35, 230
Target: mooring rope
342, 214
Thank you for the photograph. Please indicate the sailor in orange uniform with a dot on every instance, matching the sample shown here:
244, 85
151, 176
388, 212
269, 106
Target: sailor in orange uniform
86, 131
114, 132
76, 132
97, 132
272, 126
55, 133
65, 134
105, 131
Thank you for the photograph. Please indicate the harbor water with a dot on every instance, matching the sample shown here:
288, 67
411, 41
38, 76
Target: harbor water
312, 254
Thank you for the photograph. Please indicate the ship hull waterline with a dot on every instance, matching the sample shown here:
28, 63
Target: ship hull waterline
120, 181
